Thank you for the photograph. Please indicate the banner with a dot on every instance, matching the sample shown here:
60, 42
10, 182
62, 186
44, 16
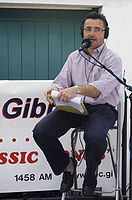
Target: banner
23, 167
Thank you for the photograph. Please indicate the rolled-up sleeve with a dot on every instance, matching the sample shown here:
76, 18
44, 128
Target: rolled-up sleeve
107, 84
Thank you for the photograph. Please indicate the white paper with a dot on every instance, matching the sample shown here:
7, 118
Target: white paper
74, 102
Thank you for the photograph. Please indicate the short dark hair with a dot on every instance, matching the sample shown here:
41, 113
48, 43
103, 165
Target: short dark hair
95, 15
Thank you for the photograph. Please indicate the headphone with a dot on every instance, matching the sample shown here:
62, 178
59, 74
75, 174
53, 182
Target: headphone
96, 16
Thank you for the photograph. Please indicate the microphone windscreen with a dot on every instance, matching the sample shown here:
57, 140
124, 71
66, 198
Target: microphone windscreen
86, 43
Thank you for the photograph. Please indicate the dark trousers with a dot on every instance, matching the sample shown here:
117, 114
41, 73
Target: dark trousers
96, 125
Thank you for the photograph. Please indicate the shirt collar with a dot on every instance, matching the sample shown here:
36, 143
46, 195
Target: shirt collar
97, 51
100, 48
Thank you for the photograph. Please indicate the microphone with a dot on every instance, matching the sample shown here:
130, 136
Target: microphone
86, 43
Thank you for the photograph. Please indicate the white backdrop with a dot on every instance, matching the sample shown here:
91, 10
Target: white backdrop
23, 166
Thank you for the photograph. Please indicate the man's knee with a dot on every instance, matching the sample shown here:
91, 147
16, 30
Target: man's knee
41, 134
36, 133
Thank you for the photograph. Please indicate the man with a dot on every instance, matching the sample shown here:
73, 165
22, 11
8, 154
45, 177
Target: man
99, 89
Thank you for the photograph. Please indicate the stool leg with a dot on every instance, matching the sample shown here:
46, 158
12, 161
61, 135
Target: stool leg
111, 155
74, 136
63, 196
116, 166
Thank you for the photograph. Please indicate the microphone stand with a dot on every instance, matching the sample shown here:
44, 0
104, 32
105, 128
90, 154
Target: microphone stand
130, 97
130, 192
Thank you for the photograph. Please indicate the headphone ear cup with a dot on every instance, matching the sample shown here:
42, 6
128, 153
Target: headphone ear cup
106, 32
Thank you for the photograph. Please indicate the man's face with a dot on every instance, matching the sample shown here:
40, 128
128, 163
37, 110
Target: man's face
94, 30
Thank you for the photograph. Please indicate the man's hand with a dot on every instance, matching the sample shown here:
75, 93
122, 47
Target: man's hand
48, 93
66, 94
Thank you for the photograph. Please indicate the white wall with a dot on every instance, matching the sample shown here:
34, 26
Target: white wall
119, 15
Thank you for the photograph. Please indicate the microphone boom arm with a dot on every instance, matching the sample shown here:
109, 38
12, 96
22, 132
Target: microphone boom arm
110, 71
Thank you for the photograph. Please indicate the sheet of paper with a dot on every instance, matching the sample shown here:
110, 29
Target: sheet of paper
74, 102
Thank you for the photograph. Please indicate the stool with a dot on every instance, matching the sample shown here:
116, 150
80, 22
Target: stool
115, 163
